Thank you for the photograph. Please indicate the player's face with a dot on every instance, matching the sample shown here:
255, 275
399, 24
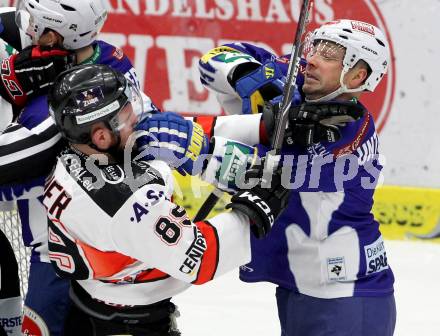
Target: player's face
323, 70
127, 121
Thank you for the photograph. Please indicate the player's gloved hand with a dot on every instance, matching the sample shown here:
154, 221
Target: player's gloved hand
311, 123
271, 112
228, 71
31, 72
228, 163
169, 137
263, 203
260, 85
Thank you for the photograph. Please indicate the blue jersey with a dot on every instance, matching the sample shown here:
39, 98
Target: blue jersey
35, 137
326, 243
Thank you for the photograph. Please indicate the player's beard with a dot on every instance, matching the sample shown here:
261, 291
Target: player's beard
117, 151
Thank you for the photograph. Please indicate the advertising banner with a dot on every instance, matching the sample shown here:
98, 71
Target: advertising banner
166, 38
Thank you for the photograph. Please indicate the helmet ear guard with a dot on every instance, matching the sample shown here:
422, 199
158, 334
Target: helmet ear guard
362, 41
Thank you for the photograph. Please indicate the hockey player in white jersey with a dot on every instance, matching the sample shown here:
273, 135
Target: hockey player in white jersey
127, 247
29, 145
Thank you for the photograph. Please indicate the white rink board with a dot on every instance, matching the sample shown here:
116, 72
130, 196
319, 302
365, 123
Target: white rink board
410, 137
229, 307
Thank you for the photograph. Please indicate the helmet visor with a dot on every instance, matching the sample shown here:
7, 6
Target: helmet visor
131, 112
327, 50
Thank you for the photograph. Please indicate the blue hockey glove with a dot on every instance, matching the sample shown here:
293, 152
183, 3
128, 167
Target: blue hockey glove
169, 137
260, 85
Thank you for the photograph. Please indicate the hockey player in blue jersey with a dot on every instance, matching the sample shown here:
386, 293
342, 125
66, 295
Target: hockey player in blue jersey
325, 252
34, 138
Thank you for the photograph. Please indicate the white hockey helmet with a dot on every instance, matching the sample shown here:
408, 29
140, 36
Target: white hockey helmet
362, 41
77, 21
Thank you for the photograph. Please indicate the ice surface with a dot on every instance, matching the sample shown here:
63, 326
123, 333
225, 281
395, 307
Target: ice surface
229, 307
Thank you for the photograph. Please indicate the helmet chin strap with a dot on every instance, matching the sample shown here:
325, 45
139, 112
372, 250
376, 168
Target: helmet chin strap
342, 89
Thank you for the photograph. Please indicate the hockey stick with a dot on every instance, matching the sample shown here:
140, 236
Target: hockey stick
208, 205
288, 90
292, 73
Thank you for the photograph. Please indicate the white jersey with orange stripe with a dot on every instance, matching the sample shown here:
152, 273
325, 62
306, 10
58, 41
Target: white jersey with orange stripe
115, 229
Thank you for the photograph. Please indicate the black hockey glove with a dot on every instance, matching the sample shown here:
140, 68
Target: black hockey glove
31, 72
262, 203
310, 123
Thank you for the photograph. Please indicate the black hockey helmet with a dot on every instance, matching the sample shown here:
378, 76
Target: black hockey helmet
87, 94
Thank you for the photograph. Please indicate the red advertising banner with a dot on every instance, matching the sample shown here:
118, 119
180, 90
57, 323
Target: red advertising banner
165, 38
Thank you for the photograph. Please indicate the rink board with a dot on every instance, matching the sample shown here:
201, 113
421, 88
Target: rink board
408, 213
404, 213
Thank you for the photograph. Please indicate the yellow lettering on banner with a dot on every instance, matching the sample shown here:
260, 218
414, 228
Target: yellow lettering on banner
196, 142
408, 213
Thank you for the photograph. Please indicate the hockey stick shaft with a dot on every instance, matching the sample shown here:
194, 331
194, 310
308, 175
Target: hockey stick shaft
292, 73
281, 122
206, 207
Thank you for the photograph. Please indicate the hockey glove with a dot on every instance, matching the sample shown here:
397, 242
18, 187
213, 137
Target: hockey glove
262, 203
258, 86
311, 123
169, 137
31, 72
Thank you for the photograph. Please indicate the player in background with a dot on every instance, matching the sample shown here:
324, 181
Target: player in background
113, 228
25, 66
29, 146
10, 297
325, 252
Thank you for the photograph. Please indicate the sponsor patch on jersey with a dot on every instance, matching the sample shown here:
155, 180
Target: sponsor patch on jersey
336, 269
118, 53
73, 164
194, 254
245, 268
375, 256
10, 323
355, 143
33, 324
113, 174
